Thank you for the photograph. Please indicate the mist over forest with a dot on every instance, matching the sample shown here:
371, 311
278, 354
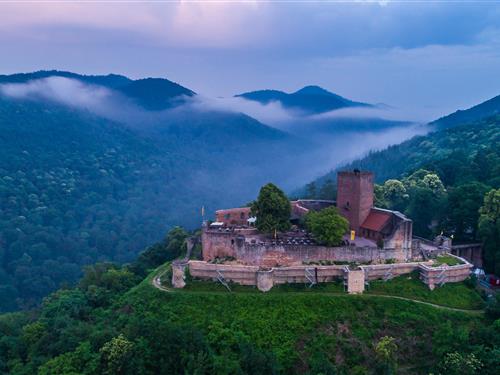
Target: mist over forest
96, 168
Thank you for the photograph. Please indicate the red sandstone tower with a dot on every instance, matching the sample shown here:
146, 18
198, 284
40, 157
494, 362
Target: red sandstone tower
355, 196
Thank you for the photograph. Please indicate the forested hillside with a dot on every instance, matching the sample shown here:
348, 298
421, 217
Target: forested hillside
76, 188
440, 181
150, 93
459, 153
489, 108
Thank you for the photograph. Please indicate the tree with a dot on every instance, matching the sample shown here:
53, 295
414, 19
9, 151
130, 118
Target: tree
81, 361
462, 211
116, 355
327, 226
458, 364
328, 190
386, 353
427, 198
394, 193
311, 191
489, 230
272, 209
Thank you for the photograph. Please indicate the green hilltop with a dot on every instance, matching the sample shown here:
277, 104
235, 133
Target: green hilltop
114, 323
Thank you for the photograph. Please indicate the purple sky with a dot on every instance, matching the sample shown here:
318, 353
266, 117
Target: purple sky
426, 58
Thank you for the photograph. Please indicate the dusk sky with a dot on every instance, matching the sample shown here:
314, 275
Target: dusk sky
429, 58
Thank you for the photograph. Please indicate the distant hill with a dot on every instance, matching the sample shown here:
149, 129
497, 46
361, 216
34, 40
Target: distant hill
308, 100
150, 93
486, 109
110, 80
453, 149
410, 155
77, 188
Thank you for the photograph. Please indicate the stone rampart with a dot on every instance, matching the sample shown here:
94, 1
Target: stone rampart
264, 279
179, 274
436, 276
297, 274
355, 281
244, 275
250, 249
388, 271
271, 255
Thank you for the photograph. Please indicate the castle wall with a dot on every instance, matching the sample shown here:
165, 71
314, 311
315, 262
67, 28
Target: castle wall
267, 254
265, 279
244, 275
217, 244
271, 255
389, 271
435, 276
401, 240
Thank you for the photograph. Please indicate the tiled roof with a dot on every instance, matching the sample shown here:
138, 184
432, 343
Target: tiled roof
376, 220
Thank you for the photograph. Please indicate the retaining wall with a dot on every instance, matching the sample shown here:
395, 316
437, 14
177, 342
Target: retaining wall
264, 279
435, 276
388, 271
244, 275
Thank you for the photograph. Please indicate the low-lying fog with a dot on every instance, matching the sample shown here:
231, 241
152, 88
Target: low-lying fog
318, 143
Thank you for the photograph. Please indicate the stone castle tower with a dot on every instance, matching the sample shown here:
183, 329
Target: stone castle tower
355, 196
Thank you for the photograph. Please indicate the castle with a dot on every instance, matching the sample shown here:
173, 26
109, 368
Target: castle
377, 235
379, 245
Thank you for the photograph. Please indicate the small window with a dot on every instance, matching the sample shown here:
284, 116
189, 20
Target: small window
227, 216
242, 215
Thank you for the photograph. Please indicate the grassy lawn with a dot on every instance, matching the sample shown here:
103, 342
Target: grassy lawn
446, 259
457, 295
298, 326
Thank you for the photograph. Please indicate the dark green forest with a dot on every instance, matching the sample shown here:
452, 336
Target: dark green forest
76, 188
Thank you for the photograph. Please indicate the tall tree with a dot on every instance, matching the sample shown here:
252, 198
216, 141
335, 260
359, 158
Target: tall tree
311, 191
462, 212
272, 209
489, 230
328, 190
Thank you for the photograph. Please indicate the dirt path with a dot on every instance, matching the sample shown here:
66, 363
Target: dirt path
428, 304
156, 282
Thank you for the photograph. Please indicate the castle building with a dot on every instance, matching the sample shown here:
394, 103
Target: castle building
379, 234
355, 202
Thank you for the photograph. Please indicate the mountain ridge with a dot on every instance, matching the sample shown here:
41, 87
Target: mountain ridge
153, 94
309, 99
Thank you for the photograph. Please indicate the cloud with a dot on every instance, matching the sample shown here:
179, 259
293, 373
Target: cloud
59, 89
76, 94
317, 154
273, 113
